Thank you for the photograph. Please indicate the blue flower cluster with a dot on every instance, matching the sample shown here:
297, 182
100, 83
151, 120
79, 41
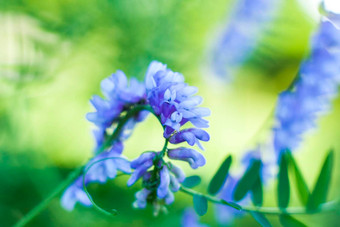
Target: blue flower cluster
174, 104
248, 19
297, 109
319, 77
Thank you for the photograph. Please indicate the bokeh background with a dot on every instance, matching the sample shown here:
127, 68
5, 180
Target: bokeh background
53, 55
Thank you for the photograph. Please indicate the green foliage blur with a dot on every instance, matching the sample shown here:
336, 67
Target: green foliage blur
53, 55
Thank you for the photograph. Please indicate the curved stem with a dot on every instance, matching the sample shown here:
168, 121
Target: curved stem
165, 147
325, 207
113, 211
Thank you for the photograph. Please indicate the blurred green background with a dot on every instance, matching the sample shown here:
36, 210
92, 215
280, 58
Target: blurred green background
53, 55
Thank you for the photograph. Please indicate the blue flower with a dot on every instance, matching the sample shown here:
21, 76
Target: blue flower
191, 219
173, 103
192, 136
298, 109
119, 95
194, 158
248, 20
141, 166
73, 194
172, 99
141, 198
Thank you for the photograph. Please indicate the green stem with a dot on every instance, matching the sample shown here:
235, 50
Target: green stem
165, 147
131, 113
76, 173
36, 210
325, 207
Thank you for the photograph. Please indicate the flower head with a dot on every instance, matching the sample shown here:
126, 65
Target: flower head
172, 99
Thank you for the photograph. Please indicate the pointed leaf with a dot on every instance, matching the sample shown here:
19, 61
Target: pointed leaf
261, 219
288, 221
191, 181
319, 194
247, 181
300, 182
283, 190
220, 177
200, 204
257, 192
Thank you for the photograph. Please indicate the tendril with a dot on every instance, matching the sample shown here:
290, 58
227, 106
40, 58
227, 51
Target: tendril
113, 212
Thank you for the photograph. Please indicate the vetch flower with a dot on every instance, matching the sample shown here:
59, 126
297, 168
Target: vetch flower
192, 136
174, 104
298, 109
194, 158
118, 94
141, 165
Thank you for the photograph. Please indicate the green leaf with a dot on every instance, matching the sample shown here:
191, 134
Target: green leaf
257, 192
260, 218
288, 221
220, 177
191, 181
283, 190
319, 194
300, 182
200, 204
247, 181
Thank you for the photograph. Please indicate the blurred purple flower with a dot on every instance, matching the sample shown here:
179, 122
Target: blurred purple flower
298, 109
249, 18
